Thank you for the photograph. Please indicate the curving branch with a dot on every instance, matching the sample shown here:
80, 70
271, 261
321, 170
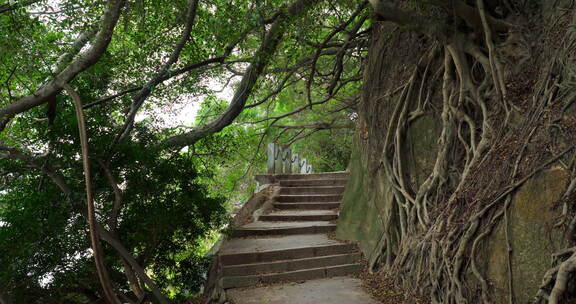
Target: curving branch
112, 225
32, 161
304, 62
188, 68
97, 252
118, 197
81, 63
80, 41
320, 126
146, 90
7, 7
283, 84
308, 106
326, 41
562, 279
261, 59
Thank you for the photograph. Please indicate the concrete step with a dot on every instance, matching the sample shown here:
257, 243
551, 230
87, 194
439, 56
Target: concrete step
312, 190
285, 254
300, 215
291, 265
308, 206
313, 182
336, 290
328, 175
312, 228
291, 276
308, 198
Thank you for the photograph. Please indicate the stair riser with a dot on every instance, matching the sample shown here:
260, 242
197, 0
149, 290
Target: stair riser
296, 218
296, 253
313, 183
292, 265
307, 206
334, 175
311, 274
284, 231
308, 198
311, 190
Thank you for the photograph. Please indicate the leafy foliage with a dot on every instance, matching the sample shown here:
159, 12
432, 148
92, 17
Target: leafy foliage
172, 203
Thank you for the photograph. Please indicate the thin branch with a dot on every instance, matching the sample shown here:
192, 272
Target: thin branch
106, 99
327, 39
339, 65
307, 106
118, 200
283, 84
81, 63
13, 153
4, 8
141, 96
169, 75
304, 62
319, 126
261, 59
76, 47
297, 138
105, 235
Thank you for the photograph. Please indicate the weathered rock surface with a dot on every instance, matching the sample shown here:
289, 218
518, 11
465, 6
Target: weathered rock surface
532, 237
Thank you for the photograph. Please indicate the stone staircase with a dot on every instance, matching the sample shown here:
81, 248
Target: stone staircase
291, 241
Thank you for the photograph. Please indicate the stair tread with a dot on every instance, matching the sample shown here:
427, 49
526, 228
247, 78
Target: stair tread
276, 243
296, 271
315, 187
314, 179
290, 276
303, 203
291, 241
306, 175
294, 260
290, 224
308, 195
308, 206
297, 212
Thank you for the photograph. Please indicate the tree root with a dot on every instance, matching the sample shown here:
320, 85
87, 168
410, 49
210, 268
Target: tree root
440, 224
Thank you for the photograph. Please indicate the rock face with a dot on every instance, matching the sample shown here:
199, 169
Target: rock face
531, 234
368, 200
531, 219
360, 214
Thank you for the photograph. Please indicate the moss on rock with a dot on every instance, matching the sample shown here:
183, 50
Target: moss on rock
358, 219
532, 237
367, 202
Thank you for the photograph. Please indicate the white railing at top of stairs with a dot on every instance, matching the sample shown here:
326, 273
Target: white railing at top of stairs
282, 160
